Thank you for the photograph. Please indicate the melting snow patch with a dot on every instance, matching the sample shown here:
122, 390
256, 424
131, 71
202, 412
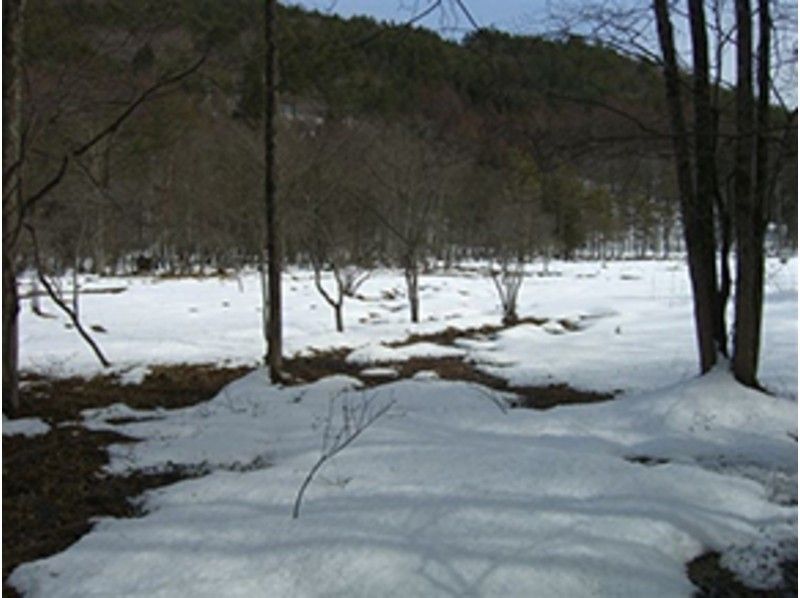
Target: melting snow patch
377, 353
553, 327
28, 426
425, 375
379, 373
759, 564
134, 375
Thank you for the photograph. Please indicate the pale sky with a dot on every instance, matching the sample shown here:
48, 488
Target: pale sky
517, 16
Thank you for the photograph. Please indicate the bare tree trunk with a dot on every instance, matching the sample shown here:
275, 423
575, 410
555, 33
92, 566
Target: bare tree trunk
335, 304
411, 272
697, 217
14, 18
705, 173
274, 337
10, 335
750, 194
339, 321
36, 304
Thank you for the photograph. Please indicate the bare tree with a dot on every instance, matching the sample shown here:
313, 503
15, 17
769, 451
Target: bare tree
751, 184
508, 281
412, 179
19, 199
347, 279
696, 204
700, 189
274, 357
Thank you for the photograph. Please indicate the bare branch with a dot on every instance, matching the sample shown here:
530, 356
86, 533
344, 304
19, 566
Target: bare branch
354, 421
60, 303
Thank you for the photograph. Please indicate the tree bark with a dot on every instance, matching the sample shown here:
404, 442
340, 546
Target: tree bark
751, 150
10, 336
274, 336
696, 215
13, 46
412, 287
705, 167
339, 320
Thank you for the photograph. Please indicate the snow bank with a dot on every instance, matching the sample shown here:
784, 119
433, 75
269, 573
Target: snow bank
444, 495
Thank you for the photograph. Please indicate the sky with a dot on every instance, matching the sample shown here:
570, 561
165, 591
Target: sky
517, 16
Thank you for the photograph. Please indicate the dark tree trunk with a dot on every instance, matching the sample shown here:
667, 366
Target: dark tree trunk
339, 320
510, 317
750, 191
696, 214
13, 166
412, 287
10, 335
275, 338
705, 172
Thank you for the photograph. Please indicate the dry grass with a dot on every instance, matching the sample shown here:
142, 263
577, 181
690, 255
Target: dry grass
57, 400
53, 484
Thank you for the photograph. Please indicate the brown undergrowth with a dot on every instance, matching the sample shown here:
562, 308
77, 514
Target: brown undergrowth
168, 386
54, 484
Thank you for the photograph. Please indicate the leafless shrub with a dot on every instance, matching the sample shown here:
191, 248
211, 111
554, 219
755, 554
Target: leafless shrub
355, 416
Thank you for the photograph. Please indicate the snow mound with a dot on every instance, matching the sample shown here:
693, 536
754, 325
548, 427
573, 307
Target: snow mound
443, 495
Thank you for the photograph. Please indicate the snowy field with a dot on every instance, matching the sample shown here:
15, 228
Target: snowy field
447, 493
635, 319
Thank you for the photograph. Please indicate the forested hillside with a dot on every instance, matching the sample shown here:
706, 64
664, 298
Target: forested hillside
394, 144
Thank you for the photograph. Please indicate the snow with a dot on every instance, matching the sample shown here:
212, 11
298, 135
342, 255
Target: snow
27, 426
134, 375
377, 353
635, 320
445, 494
379, 373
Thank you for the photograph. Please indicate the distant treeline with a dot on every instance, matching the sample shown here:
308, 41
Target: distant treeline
394, 144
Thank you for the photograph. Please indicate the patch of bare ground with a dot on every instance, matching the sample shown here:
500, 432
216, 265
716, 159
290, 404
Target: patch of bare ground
54, 484
302, 369
168, 386
450, 335
328, 363
527, 397
714, 581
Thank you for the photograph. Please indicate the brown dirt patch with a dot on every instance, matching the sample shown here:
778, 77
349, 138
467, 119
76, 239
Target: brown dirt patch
328, 363
319, 364
449, 335
528, 397
57, 400
714, 581
53, 484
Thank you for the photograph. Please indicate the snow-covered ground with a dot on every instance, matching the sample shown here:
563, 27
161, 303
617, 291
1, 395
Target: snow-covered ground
447, 493
637, 330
